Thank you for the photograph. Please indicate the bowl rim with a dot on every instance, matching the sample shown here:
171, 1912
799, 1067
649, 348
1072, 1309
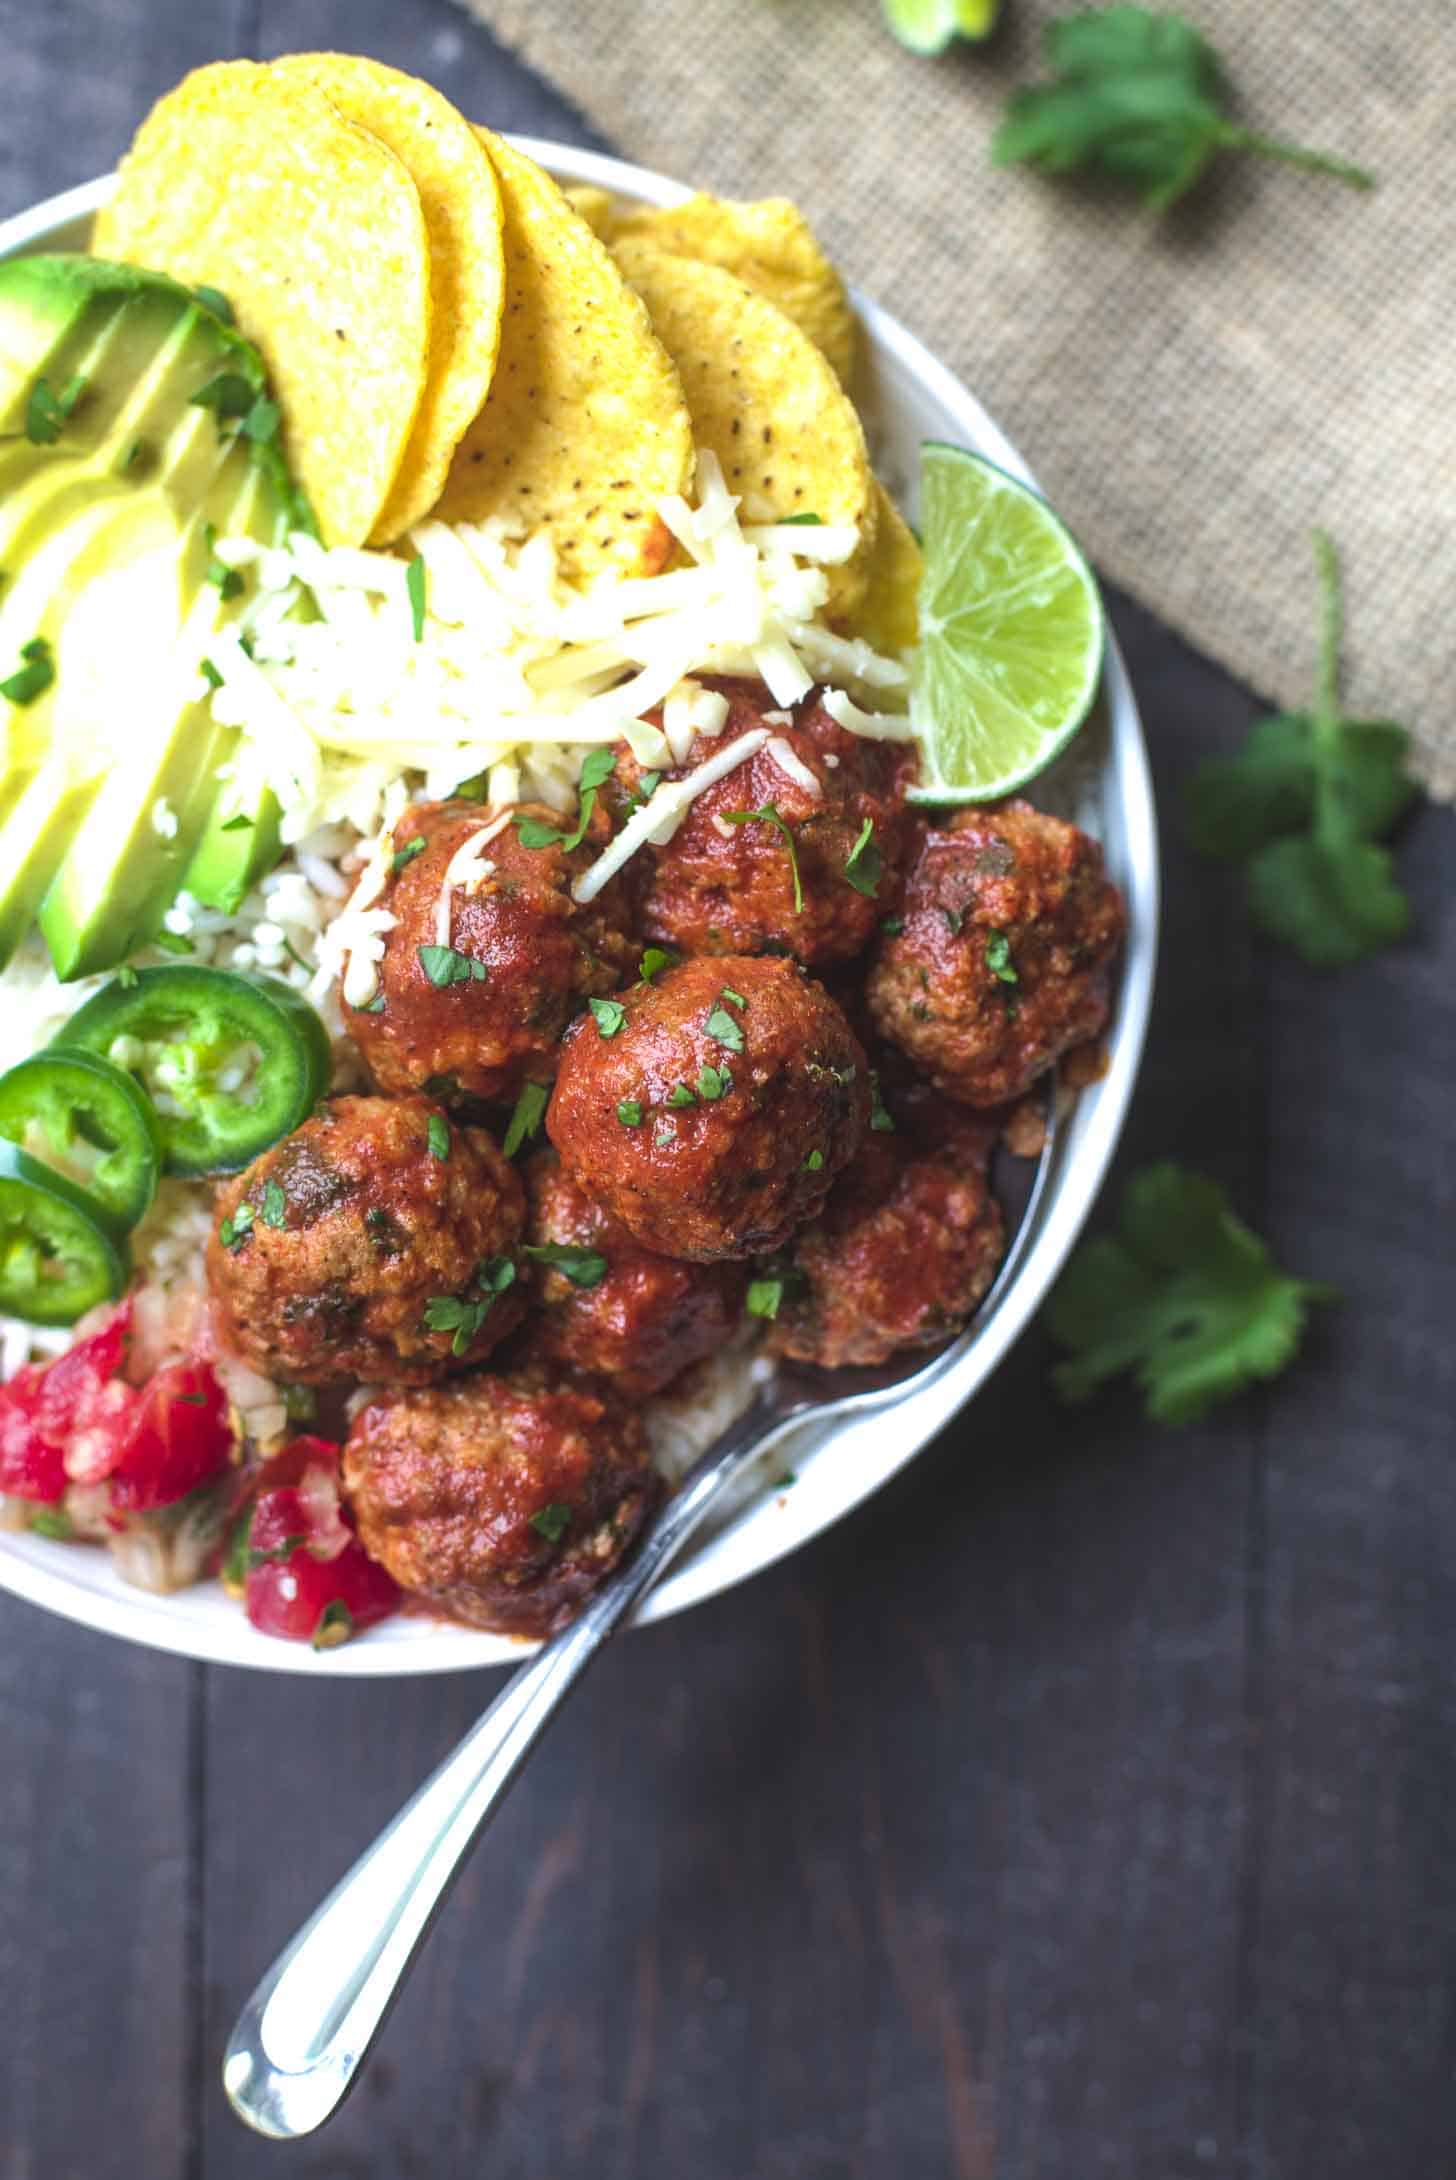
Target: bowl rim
35, 1570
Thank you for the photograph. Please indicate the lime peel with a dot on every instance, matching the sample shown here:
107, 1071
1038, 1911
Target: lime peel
927, 26
1012, 631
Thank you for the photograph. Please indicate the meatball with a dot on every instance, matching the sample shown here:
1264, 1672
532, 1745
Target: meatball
641, 1320
732, 891
1002, 957
377, 1241
473, 1000
711, 1110
905, 1248
501, 1501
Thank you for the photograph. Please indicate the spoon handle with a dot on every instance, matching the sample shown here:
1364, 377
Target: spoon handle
302, 2035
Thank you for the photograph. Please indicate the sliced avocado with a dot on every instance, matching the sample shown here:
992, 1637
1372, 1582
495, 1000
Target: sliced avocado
239, 846
124, 450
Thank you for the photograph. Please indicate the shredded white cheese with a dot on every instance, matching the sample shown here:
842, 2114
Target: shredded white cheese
793, 767
665, 810
467, 870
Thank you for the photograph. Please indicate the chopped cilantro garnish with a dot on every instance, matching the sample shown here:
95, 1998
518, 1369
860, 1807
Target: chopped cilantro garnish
595, 772
664, 1135
403, 857
769, 814
444, 966
1183, 1296
33, 676
273, 1210
814, 1163
998, 957
252, 1557
437, 1135
786, 1481
551, 1522
646, 788
790, 522
863, 864
725, 1028
880, 1118
414, 584
228, 582
583, 1267
737, 998
372, 1006
213, 679
234, 1231
892, 926
453, 1313
51, 1521
681, 1095
629, 1112
713, 1083
764, 1297
654, 959
46, 411
530, 1110
608, 1014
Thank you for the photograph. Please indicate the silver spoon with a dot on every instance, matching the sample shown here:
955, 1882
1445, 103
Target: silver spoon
299, 2041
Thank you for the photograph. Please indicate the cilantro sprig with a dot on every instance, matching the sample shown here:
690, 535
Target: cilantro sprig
769, 813
1139, 96
1183, 1296
595, 772
1302, 807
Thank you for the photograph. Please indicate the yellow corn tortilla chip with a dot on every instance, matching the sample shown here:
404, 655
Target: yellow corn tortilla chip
593, 204
770, 245
312, 229
447, 163
764, 399
889, 614
585, 428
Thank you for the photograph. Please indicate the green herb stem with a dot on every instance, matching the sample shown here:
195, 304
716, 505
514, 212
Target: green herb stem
1234, 138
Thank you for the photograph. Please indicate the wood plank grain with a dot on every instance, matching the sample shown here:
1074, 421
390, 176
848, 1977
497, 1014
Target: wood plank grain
1351, 2041
97, 1908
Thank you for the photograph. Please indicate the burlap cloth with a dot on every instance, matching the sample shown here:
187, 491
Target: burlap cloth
1194, 393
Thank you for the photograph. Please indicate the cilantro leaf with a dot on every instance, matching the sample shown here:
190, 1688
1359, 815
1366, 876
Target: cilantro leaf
862, 866
595, 772
608, 1014
414, 583
770, 814
656, 958
1302, 806
724, 1028
713, 1083
1138, 96
273, 1210
33, 676
526, 1119
403, 857
437, 1136
583, 1267
444, 966
1183, 1296
629, 1112
551, 1522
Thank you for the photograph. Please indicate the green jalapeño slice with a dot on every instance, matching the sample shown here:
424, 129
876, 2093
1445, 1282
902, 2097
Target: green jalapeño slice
89, 1120
58, 1258
231, 1062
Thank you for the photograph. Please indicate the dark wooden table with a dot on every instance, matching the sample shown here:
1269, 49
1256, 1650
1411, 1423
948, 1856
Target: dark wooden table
1083, 1805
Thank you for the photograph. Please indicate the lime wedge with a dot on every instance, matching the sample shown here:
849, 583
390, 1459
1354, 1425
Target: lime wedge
927, 26
1010, 631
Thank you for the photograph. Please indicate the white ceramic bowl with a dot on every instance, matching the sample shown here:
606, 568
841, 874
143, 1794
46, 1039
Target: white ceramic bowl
1103, 781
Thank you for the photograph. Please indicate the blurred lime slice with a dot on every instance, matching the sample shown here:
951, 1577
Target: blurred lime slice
1010, 631
927, 26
